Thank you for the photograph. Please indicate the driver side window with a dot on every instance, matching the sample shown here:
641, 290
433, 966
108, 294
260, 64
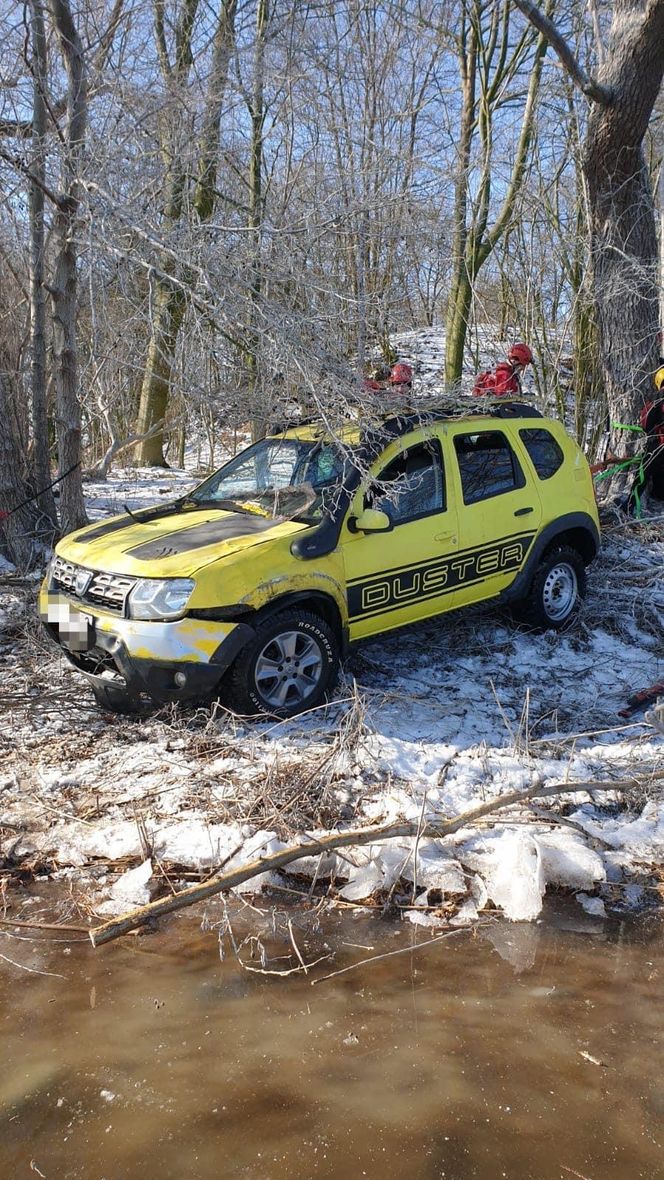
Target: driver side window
412, 485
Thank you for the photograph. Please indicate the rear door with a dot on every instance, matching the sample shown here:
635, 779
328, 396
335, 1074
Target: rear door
399, 576
498, 508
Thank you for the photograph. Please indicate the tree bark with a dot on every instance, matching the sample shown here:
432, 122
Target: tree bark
17, 530
168, 312
624, 254
63, 287
41, 458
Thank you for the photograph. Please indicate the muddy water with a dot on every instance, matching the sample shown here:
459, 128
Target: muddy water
535, 1052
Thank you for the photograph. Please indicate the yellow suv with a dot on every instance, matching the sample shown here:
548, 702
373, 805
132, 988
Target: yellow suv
253, 585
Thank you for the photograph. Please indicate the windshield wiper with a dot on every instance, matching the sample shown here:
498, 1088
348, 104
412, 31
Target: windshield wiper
227, 505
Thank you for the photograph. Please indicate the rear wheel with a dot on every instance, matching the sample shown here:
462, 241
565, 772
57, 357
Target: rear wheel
291, 665
556, 591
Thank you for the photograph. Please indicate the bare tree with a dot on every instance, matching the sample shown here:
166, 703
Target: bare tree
620, 193
170, 281
39, 69
491, 64
63, 284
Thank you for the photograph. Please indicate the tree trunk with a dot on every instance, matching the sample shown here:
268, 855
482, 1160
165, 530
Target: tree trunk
257, 115
456, 325
460, 297
623, 234
63, 288
170, 302
486, 66
623, 260
169, 306
41, 459
17, 531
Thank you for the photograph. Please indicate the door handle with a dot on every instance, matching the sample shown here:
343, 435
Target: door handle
523, 511
443, 537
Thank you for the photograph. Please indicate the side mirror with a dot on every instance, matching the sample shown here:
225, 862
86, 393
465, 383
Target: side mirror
371, 520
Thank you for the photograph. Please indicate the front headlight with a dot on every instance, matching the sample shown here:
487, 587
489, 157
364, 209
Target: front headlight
157, 598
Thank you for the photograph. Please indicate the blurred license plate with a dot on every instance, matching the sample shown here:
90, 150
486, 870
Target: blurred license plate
76, 628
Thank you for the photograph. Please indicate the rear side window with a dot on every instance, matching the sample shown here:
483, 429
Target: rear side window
487, 464
544, 451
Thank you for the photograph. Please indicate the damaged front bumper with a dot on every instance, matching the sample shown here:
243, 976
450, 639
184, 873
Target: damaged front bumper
179, 660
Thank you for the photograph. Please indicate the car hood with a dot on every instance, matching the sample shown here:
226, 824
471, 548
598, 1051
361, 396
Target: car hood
169, 541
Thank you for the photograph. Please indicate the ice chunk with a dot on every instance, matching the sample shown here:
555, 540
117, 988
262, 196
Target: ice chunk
436, 869
466, 914
517, 945
511, 866
478, 891
567, 860
633, 896
129, 890
362, 882
420, 919
592, 905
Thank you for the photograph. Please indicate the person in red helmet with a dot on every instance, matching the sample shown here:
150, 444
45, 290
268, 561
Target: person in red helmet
505, 379
401, 379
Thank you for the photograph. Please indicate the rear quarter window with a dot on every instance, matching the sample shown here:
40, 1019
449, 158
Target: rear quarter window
545, 453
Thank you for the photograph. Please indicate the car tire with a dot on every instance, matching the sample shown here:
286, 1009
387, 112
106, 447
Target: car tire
556, 591
113, 699
290, 665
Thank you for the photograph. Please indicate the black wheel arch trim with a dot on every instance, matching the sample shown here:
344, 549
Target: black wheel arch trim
557, 528
331, 613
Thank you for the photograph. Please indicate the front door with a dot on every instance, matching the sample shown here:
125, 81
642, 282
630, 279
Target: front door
400, 576
499, 511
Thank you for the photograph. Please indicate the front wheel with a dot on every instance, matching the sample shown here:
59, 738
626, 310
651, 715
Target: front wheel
556, 590
291, 665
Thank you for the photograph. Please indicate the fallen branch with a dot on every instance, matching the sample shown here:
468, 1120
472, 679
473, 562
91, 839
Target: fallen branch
311, 845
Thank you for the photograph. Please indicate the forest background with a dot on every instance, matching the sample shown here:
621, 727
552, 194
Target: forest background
214, 209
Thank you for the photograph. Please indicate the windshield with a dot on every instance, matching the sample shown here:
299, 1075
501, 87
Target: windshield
278, 477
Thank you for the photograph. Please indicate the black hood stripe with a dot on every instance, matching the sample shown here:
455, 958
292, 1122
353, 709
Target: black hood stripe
108, 527
211, 532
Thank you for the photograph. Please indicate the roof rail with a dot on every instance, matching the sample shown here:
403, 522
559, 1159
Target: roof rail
394, 425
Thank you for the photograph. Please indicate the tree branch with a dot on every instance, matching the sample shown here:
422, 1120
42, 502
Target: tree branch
311, 845
592, 89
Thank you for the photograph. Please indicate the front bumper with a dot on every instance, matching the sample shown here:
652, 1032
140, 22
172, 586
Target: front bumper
169, 661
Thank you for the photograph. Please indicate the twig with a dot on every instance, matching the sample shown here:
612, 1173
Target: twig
403, 950
32, 970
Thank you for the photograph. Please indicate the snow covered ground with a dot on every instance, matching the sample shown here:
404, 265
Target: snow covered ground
426, 723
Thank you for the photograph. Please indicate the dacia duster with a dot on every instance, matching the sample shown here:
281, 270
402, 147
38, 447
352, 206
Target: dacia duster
251, 587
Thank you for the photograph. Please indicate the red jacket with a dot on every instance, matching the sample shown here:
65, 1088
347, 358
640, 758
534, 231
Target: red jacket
501, 382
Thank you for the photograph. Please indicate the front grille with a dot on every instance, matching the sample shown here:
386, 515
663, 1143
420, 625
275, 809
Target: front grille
107, 590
